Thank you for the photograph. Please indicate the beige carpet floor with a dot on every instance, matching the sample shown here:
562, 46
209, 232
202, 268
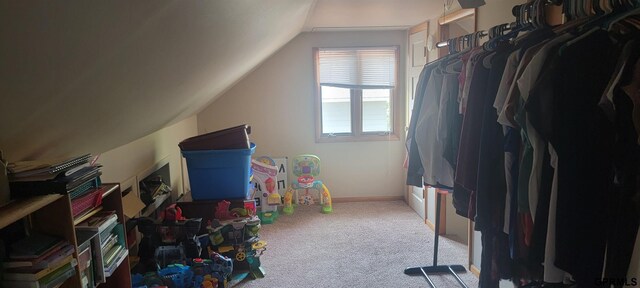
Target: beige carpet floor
361, 244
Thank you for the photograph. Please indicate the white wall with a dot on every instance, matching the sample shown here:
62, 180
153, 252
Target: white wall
277, 100
495, 12
130, 159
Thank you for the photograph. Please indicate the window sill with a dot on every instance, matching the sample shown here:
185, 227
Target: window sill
366, 138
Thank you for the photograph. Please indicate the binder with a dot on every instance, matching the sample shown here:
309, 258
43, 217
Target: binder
62, 185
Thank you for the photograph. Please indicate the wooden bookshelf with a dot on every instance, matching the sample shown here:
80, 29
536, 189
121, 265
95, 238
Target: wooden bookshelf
52, 214
157, 203
112, 200
18, 209
110, 189
86, 216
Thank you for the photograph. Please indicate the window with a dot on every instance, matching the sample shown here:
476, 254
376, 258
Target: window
356, 90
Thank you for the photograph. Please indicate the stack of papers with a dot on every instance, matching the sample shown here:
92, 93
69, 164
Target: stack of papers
57, 176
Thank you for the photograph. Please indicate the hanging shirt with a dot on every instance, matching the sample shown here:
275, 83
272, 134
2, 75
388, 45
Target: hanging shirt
468, 153
582, 188
437, 171
449, 120
507, 79
491, 186
415, 170
528, 198
471, 62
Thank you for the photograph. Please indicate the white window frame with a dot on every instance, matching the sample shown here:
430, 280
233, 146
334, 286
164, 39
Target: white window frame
357, 134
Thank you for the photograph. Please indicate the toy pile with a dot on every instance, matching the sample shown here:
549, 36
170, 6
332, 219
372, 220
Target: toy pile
172, 253
235, 234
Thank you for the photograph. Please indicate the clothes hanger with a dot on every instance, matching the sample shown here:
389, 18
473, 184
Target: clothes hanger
533, 11
617, 17
580, 9
567, 8
609, 4
540, 15
596, 7
588, 8
606, 22
635, 21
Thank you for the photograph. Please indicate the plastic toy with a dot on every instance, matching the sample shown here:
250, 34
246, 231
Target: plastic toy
180, 275
252, 228
210, 273
265, 179
250, 206
149, 279
215, 235
167, 255
257, 248
168, 240
326, 200
216, 271
306, 168
221, 264
288, 205
239, 238
209, 282
222, 210
172, 214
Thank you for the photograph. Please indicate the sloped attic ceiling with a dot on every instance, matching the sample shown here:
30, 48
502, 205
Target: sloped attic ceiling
82, 76
94, 75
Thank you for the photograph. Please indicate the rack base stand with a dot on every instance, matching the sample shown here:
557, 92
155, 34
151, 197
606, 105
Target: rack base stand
437, 269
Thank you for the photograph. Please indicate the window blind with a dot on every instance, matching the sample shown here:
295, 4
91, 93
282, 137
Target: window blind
357, 67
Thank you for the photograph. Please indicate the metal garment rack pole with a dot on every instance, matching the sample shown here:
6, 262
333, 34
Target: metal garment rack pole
435, 268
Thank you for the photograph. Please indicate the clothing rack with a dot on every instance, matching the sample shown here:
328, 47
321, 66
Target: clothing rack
469, 38
533, 18
435, 268
528, 14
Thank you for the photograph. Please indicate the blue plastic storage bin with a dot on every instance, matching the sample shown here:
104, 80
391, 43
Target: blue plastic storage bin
219, 174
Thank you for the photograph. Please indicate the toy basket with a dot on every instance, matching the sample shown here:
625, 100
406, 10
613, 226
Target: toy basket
219, 174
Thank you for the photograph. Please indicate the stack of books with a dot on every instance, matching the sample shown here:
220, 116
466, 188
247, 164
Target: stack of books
75, 176
85, 259
109, 248
39, 261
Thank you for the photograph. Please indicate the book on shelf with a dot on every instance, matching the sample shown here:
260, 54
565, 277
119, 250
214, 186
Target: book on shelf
118, 258
45, 166
51, 280
34, 274
93, 195
58, 185
109, 242
34, 246
85, 215
99, 221
111, 254
45, 261
78, 192
98, 269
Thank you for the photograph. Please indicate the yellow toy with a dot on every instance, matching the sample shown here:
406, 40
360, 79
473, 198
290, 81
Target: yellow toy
288, 202
326, 200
